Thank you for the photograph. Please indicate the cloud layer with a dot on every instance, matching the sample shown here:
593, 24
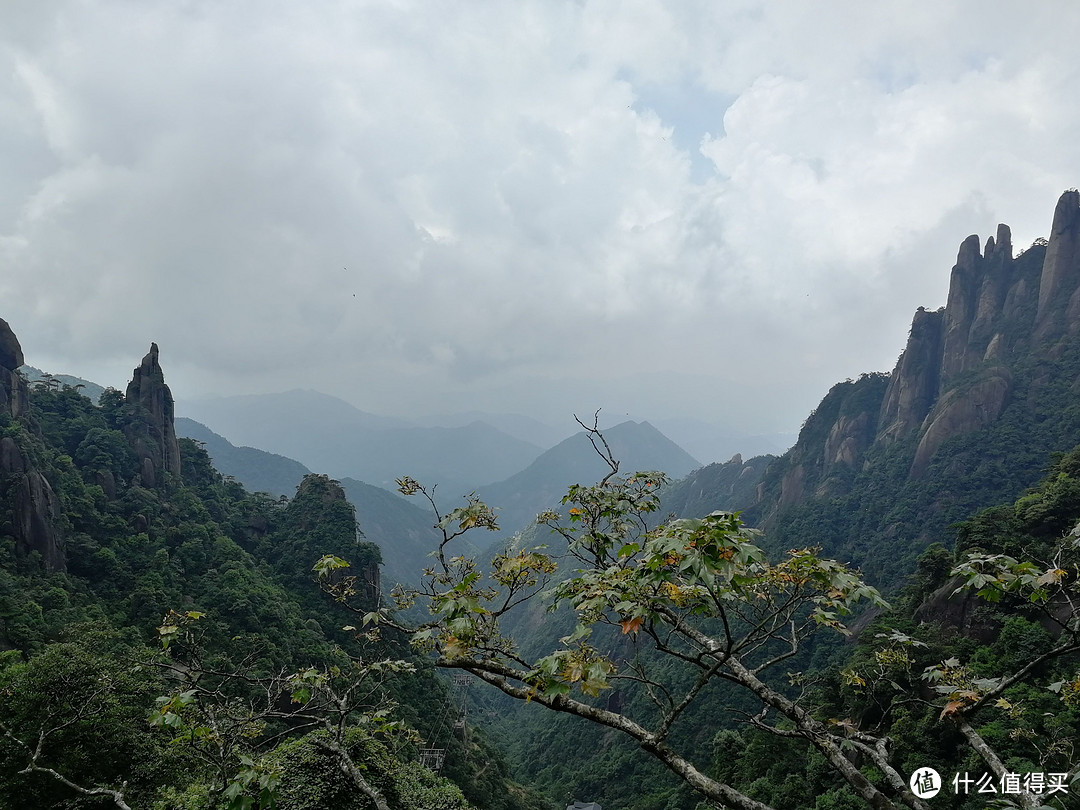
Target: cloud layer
667, 209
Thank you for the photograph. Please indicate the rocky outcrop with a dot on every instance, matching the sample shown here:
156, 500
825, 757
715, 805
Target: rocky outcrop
963, 611
961, 411
985, 291
913, 386
960, 309
848, 439
35, 520
13, 389
35, 508
955, 375
153, 438
983, 322
993, 285
989, 321
793, 486
831, 448
1060, 278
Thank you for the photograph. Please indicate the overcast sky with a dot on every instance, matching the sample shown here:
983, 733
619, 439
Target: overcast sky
709, 209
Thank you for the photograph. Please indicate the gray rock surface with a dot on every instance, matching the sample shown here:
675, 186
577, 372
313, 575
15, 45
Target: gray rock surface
154, 438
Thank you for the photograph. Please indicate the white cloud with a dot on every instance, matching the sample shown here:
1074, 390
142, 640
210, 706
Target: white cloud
489, 198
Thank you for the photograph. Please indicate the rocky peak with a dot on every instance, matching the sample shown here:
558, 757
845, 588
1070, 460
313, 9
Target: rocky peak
955, 375
986, 313
13, 389
1061, 269
35, 508
978, 288
985, 320
1002, 248
154, 437
913, 385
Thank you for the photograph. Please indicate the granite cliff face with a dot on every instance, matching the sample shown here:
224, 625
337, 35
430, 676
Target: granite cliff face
153, 438
830, 451
954, 376
958, 372
715, 487
34, 514
13, 389
34, 507
1059, 283
913, 386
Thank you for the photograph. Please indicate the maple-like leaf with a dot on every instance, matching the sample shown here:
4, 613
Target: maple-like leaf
631, 625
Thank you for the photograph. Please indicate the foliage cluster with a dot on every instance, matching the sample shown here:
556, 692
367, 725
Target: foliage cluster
713, 607
94, 709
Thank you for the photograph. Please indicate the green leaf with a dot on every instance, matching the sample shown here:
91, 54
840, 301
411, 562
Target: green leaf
327, 564
301, 696
554, 688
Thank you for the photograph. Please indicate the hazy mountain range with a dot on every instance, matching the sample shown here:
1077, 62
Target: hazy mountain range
404, 529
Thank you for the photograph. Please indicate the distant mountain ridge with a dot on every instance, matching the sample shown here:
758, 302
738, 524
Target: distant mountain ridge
513, 424
328, 434
636, 445
257, 470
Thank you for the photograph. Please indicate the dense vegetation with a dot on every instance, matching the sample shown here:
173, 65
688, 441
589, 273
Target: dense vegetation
102, 692
975, 669
885, 681
186, 657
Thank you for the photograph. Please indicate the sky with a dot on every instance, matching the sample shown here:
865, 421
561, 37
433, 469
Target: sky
698, 209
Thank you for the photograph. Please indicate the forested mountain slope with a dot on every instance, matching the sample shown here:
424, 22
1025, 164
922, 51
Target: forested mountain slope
137, 584
985, 390
257, 470
402, 531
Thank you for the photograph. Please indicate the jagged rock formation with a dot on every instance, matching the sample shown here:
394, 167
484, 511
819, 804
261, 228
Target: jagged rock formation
913, 386
13, 389
723, 487
34, 508
153, 438
831, 446
1007, 320
1060, 280
986, 319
